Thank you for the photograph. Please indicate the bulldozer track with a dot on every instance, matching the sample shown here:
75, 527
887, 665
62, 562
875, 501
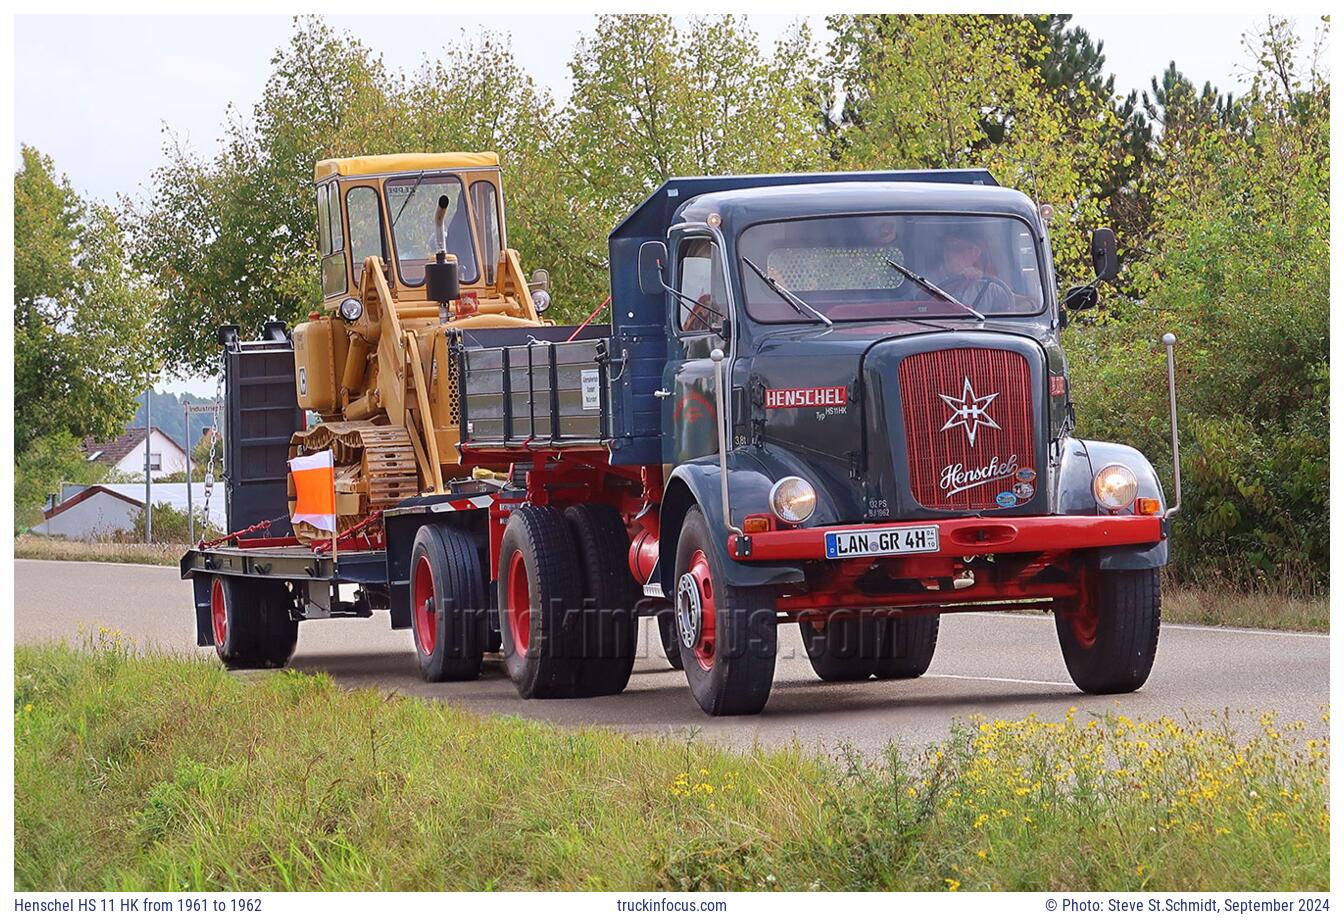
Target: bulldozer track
375, 461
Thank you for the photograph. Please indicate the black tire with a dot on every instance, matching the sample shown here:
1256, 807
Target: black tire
609, 630
546, 663
449, 613
841, 649
667, 634
251, 622
731, 673
905, 646
1109, 640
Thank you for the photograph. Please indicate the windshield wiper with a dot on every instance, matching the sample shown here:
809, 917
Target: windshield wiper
409, 195
932, 288
790, 298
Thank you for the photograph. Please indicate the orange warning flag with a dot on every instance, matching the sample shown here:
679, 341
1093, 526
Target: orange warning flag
315, 490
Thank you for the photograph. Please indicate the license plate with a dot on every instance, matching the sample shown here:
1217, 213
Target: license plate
881, 541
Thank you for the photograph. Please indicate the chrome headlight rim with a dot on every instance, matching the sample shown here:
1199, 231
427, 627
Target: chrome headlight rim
351, 309
541, 301
1115, 487
787, 513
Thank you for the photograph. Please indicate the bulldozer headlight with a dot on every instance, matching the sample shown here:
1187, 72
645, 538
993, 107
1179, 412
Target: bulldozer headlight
541, 300
351, 309
793, 499
1115, 487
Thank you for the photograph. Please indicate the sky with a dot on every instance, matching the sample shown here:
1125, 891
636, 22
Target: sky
100, 93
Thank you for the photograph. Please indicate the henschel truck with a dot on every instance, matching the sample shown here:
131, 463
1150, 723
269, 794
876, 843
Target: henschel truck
835, 400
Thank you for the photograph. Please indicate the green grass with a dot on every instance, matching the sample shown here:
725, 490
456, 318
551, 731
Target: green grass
153, 772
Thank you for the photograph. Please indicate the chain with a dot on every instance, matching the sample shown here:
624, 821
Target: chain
214, 442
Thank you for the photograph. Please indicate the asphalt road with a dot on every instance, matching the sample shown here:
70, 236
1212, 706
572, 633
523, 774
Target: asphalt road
995, 665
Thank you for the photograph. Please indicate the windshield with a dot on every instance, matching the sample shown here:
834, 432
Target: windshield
842, 266
412, 209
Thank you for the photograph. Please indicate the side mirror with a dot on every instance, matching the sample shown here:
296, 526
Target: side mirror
1105, 254
1081, 297
540, 280
652, 261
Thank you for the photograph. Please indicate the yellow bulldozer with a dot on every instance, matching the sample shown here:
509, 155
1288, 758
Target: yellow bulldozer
413, 247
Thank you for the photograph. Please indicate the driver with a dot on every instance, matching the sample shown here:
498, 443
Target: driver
968, 274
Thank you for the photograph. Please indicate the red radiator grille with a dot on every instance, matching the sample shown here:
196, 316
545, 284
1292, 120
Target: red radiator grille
959, 460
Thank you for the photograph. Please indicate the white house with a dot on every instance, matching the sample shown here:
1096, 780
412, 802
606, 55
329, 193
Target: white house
126, 454
88, 512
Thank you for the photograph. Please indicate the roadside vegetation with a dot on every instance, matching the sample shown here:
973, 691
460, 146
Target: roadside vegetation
167, 773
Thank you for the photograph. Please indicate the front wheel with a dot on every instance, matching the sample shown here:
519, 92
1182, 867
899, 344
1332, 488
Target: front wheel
727, 634
1109, 635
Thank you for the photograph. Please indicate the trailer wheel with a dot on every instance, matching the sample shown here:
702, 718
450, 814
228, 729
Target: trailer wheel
1109, 637
727, 633
251, 623
841, 649
448, 604
905, 646
540, 595
667, 634
608, 630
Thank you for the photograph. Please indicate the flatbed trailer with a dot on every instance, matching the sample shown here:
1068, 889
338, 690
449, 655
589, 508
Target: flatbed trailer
730, 456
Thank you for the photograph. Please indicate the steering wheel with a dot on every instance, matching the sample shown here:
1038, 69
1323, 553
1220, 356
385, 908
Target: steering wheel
991, 282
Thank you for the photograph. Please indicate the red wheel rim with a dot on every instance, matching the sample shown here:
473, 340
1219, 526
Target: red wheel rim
218, 614
704, 583
520, 604
422, 598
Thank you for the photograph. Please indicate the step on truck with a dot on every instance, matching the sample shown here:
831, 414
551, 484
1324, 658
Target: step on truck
835, 400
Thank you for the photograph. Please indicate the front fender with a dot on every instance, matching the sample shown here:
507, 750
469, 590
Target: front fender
698, 483
1081, 460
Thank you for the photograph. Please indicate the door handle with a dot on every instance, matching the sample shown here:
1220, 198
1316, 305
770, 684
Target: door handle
662, 394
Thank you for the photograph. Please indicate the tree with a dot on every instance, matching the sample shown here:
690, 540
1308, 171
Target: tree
940, 91
83, 347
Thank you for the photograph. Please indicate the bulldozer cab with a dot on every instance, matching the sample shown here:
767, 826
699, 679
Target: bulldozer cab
385, 208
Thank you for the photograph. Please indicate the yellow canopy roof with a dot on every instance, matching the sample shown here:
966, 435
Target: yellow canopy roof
400, 162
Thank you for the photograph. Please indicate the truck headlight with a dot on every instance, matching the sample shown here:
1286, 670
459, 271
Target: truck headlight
1115, 487
351, 309
793, 499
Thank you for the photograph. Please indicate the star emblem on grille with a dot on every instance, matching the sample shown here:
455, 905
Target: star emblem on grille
970, 411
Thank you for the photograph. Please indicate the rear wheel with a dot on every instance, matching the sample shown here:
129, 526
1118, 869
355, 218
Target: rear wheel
251, 622
1109, 635
905, 646
727, 633
841, 649
608, 630
540, 594
448, 604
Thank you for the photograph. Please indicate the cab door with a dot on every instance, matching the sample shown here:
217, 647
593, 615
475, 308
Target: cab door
697, 326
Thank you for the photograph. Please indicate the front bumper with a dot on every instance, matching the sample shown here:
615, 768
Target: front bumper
966, 536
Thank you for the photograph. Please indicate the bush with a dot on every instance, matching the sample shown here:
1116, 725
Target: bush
170, 525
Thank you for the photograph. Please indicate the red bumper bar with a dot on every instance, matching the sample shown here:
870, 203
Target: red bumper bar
970, 536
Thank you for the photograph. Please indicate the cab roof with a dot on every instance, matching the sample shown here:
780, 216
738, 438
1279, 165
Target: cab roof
401, 162
738, 207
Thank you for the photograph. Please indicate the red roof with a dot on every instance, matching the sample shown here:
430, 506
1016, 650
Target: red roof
114, 451
78, 497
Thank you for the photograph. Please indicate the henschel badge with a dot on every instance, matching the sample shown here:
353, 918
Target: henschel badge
970, 411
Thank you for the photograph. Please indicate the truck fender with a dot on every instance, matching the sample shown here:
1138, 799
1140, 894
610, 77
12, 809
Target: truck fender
697, 483
1073, 495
